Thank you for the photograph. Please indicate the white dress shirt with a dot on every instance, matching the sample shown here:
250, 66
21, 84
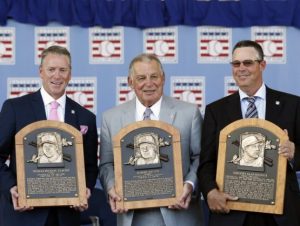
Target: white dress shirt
260, 101
47, 99
140, 109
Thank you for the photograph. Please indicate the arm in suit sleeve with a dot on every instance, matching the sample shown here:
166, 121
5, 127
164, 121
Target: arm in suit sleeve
208, 156
7, 145
106, 174
194, 152
90, 145
296, 163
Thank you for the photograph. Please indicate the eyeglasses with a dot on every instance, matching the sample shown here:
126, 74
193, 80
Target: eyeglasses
246, 63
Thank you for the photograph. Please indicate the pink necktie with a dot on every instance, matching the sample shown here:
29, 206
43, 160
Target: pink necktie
53, 111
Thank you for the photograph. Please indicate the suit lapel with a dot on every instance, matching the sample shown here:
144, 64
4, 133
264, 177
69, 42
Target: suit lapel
38, 106
167, 111
128, 114
70, 113
234, 111
273, 105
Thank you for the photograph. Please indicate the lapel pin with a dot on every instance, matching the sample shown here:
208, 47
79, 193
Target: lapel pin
72, 111
277, 102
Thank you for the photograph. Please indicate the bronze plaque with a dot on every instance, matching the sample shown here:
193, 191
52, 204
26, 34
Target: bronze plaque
249, 166
50, 165
148, 172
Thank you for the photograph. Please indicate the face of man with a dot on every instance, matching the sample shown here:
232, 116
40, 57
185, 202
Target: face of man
248, 75
147, 82
253, 150
55, 73
148, 150
50, 150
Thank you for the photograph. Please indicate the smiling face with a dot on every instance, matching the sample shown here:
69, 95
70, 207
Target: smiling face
248, 77
55, 72
50, 150
147, 81
148, 151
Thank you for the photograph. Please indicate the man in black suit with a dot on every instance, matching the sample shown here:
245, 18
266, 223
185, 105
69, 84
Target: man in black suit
55, 72
280, 108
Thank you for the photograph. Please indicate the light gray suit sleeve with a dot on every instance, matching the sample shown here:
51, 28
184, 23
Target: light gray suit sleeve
106, 168
194, 145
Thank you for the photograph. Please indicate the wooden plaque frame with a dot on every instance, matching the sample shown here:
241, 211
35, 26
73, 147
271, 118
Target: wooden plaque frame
253, 124
78, 196
177, 165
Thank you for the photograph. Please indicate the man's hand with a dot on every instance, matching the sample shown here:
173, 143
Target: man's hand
15, 199
113, 199
83, 207
185, 198
287, 149
217, 201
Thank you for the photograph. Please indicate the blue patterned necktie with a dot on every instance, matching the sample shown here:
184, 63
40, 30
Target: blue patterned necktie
147, 114
251, 109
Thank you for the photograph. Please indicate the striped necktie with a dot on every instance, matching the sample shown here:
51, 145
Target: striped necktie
147, 113
251, 109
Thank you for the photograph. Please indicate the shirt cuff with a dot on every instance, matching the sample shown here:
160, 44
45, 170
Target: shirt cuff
191, 183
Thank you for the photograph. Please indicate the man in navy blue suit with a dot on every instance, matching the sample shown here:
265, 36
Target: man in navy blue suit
55, 72
281, 108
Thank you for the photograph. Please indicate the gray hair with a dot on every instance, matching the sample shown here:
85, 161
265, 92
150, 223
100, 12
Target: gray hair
144, 57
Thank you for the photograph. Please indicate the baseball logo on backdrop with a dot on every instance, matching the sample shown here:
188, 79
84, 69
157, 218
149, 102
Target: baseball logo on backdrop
83, 91
273, 42
17, 87
106, 45
230, 86
213, 44
190, 89
163, 43
7, 45
49, 36
124, 91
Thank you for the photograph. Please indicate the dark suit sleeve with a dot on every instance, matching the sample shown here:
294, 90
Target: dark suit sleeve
208, 156
7, 145
90, 145
296, 138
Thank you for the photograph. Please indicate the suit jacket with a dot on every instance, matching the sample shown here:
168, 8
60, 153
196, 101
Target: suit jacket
186, 117
283, 110
19, 112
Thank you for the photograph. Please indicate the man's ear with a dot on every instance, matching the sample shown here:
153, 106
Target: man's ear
129, 80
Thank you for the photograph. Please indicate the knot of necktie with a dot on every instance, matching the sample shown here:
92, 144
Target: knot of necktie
251, 100
251, 109
54, 104
147, 114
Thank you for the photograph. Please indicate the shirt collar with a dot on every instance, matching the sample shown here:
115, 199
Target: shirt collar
140, 109
261, 93
47, 99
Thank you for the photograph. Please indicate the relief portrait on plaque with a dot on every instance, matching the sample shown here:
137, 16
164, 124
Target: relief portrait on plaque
146, 151
252, 148
49, 150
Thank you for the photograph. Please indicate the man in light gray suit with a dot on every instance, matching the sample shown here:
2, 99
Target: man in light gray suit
146, 78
